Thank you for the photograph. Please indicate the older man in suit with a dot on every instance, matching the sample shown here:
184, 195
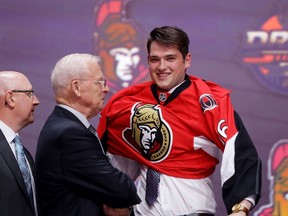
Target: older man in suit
75, 175
17, 104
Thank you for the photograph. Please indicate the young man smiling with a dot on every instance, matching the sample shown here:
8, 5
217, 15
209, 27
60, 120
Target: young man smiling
180, 126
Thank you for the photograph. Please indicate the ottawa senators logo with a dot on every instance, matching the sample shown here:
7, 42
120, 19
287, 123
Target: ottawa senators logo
149, 134
207, 102
278, 175
120, 44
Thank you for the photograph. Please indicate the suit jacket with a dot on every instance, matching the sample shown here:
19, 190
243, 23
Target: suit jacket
14, 198
75, 176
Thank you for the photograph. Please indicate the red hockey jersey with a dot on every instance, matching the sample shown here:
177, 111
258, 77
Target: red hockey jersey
184, 138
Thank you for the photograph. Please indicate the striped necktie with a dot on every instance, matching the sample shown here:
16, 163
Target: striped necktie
152, 186
20, 156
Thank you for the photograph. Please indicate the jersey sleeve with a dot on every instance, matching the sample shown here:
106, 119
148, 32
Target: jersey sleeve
241, 165
240, 168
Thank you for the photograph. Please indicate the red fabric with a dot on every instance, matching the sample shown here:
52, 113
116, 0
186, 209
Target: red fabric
182, 120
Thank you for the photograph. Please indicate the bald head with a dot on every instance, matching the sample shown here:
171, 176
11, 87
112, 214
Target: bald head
17, 100
11, 80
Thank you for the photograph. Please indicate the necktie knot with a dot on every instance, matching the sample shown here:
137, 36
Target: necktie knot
92, 129
16, 140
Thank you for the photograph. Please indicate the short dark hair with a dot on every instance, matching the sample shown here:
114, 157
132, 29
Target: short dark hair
170, 36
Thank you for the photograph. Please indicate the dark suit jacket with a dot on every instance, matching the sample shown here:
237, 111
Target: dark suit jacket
14, 199
75, 177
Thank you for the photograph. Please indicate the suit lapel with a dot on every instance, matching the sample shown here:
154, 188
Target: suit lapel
61, 112
11, 162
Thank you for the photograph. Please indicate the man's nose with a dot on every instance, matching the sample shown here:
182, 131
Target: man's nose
162, 64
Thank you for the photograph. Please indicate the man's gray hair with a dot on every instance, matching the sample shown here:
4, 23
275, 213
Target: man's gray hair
72, 66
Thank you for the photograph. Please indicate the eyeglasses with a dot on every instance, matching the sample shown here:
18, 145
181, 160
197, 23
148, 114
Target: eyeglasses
102, 83
29, 93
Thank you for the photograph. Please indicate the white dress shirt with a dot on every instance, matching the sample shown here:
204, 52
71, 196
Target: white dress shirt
177, 196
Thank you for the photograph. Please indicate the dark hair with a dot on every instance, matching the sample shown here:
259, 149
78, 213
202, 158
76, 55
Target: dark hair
170, 36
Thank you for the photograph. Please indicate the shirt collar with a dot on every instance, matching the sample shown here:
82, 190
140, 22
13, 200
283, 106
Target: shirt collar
171, 90
8, 132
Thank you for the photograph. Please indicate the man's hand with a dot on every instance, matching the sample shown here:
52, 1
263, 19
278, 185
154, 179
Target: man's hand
246, 204
115, 211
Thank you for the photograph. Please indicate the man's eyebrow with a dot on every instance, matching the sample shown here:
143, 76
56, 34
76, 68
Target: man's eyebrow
169, 55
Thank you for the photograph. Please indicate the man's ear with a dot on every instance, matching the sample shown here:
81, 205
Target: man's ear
187, 60
9, 100
75, 85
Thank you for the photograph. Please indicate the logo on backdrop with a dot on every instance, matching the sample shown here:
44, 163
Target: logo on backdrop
120, 44
278, 176
265, 50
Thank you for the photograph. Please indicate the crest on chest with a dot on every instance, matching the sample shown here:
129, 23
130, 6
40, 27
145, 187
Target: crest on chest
149, 133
